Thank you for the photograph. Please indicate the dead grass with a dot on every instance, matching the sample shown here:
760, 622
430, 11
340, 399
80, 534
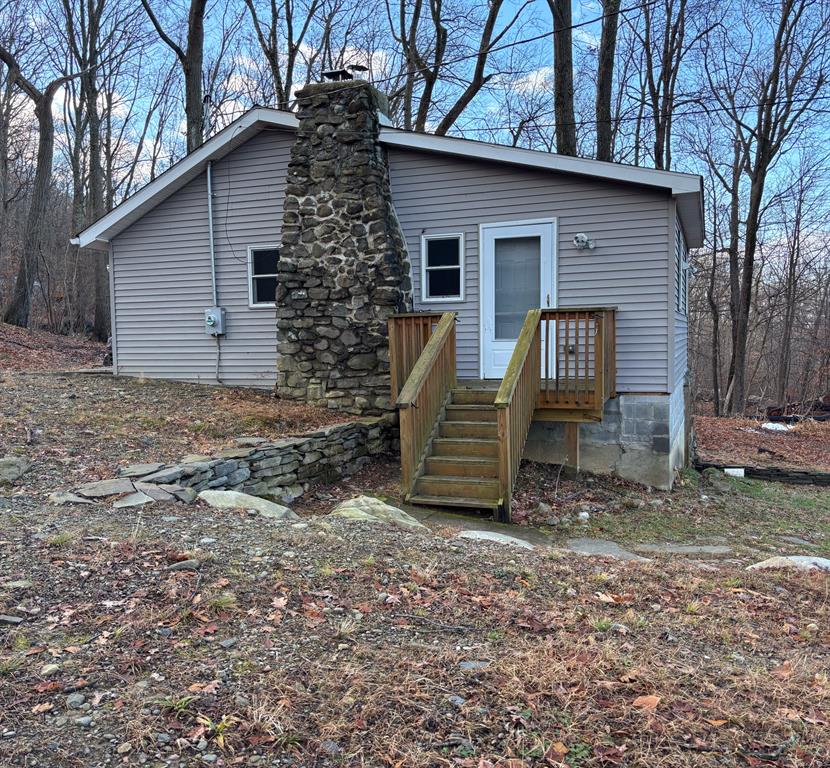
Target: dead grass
24, 349
577, 661
742, 442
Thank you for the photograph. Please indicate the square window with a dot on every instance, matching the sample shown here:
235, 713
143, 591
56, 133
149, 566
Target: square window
442, 267
262, 275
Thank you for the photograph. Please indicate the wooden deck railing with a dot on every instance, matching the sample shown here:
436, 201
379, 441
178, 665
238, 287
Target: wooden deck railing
408, 335
579, 358
516, 402
424, 392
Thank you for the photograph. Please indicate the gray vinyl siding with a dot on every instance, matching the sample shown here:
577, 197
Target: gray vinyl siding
161, 264
681, 309
161, 272
629, 267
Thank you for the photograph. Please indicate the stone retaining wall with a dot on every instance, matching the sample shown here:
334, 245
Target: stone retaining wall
283, 469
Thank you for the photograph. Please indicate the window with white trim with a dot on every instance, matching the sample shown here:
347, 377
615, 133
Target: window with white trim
442, 267
262, 275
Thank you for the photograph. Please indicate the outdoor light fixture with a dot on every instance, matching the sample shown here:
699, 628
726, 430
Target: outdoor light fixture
582, 241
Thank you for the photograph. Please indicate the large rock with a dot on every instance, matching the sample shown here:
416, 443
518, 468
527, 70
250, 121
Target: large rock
374, 510
113, 487
795, 562
12, 469
238, 500
717, 481
498, 538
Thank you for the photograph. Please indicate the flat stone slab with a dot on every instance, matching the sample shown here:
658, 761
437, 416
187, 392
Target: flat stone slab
139, 470
195, 458
498, 538
793, 562
245, 442
19, 584
238, 500
137, 499
370, 509
166, 475
113, 487
154, 492
797, 540
587, 546
683, 549
62, 497
12, 468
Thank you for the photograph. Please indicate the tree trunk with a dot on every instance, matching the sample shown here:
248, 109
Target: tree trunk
18, 309
563, 83
96, 207
605, 78
191, 59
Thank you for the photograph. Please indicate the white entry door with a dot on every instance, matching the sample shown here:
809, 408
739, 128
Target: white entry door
517, 274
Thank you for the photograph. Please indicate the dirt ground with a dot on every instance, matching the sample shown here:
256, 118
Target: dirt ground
743, 442
338, 643
23, 349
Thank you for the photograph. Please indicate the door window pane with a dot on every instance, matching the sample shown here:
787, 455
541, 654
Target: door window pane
517, 283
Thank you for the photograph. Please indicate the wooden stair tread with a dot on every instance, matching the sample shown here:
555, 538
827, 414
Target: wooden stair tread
461, 479
484, 489
481, 460
425, 500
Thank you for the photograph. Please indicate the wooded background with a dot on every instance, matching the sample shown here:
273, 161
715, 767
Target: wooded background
97, 97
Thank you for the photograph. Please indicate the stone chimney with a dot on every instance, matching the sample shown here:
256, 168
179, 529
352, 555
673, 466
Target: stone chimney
343, 267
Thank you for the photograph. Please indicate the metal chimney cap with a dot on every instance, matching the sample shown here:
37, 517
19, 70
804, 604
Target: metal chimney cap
337, 74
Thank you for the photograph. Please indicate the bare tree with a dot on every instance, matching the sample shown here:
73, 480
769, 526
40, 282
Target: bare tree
605, 78
563, 92
784, 89
17, 310
424, 37
281, 31
191, 59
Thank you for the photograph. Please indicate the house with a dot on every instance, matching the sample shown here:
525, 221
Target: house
279, 251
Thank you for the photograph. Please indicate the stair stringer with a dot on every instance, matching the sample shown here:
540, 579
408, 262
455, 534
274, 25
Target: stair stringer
427, 452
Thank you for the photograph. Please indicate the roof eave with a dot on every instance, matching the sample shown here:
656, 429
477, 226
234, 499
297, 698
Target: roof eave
97, 235
687, 188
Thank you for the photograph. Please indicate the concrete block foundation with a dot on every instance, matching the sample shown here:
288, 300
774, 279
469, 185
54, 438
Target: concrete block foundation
640, 438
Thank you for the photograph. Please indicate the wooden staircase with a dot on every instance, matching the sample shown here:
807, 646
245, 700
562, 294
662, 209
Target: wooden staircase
462, 443
460, 468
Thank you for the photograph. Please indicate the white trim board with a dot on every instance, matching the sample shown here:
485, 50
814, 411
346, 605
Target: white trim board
258, 247
548, 283
686, 188
461, 265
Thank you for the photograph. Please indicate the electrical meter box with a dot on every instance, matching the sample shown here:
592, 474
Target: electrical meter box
215, 321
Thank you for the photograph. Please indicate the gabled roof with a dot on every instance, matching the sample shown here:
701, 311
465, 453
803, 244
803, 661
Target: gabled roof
686, 188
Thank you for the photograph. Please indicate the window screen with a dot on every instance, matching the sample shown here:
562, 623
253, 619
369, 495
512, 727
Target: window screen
263, 267
442, 268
